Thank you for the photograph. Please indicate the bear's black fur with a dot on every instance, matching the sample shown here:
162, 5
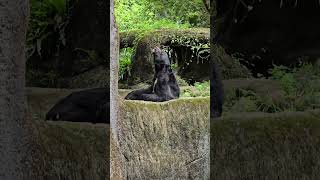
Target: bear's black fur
91, 105
164, 85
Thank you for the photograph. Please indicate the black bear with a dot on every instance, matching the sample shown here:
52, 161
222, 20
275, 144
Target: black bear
164, 85
92, 105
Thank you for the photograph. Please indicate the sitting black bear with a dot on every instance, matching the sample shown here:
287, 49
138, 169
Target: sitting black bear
91, 105
164, 85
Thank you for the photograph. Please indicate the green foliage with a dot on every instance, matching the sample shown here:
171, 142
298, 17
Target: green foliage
200, 50
46, 17
247, 100
241, 100
58, 6
200, 89
125, 62
286, 78
154, 14
244, 104
301, 87
267, 104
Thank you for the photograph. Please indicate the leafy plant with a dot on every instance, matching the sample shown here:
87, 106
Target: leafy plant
125, 62
200, 89
301, 86
46, 18
154, 14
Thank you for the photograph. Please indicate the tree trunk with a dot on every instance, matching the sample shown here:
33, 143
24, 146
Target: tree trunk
115, 155
15, 137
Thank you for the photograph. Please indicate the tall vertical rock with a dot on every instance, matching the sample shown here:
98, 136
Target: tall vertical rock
116, 158
14, 134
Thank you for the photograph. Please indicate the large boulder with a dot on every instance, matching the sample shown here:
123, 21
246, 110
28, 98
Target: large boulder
170, 140
73, 151
180, 41
167, 140
67, 150
266, 146
229, 67
188, 50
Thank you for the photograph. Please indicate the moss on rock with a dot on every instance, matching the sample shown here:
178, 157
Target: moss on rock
170, 140
166, 140
68, 150
266, 146
142, 65
189, 46
73, 151
230, 67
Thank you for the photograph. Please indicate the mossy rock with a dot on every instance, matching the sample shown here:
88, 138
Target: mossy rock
66, 150
190, 67
128, 38
266, 146
72, 151
182, 39
230, 68
122, 85
167, 140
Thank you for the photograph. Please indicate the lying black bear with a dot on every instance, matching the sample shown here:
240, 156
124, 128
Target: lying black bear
164, 85
91, 105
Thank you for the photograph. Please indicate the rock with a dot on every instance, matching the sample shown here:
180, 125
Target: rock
180, 40
116, 161
68, 150
73, 151
151, 146
165, 140
192, 64
229, 67
170, 140
266, 146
